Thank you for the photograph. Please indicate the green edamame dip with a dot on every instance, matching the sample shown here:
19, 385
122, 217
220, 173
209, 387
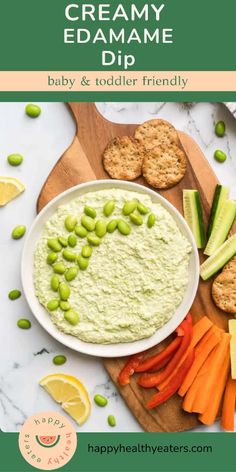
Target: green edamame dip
132, 283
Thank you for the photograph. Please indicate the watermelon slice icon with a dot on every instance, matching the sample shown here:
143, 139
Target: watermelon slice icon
48, 441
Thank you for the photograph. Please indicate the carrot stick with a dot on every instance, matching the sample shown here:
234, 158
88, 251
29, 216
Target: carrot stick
201, 353
187, 404
211, 380
227, 419
200, 330
213, 330
209, 416
194, 389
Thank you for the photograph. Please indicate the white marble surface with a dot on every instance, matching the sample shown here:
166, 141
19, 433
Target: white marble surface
26, 356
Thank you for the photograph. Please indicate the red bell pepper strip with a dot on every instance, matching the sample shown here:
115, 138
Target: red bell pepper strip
179, 330
161, 364
174, 384
157, 359
152, 380
189, 318
129, 368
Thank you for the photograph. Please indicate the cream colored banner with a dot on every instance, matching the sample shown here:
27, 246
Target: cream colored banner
118, 81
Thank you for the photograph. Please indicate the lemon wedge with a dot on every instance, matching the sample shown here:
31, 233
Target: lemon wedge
70, 393
10, 188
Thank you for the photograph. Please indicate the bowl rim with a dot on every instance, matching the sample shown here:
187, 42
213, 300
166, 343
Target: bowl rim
115, 349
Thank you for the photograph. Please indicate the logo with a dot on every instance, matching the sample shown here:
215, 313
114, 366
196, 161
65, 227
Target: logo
47, 440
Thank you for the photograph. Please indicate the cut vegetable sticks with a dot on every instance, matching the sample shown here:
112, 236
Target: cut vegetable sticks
227, 419
195, 388
217, 358
129, 368
211, 412
187, 404
173, 386
200, 330
201, 354
213, 330
152, 380
232, 331
218, 332
158, 358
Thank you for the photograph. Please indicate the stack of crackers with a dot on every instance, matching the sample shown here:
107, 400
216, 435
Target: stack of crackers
155, 152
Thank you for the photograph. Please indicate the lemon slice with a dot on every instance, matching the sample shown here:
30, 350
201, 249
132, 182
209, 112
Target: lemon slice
70, 393
10, 188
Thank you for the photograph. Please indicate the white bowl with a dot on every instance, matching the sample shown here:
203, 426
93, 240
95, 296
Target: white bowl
105, 350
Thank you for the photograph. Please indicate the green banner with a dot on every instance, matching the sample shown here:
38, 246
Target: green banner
169, 35
140, 452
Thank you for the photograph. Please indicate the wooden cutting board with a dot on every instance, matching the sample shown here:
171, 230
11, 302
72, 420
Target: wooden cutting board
81, 163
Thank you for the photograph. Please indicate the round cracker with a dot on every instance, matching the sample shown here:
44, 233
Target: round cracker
154, 133
123, 158
224, 291
164, 167
231, 265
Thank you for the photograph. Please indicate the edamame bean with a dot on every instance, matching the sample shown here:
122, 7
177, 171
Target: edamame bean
136, 219
64, 291
100, 228
23, 323
142, 209
63, 241
54, 245
129, 207
53, 304
64, 305
86, 251
52, 257
68, 255
88, 222
72, 240
90, 211
111, 420
220, 129
93, 240
220, 156
33, 111
72, 317
109, 208
151, 220
123, 227
70, 222
14, 294
81, 231
15, 159
55, 282
59, 360
83, 262
112, 225
18, 232
100, 400
71, 273
59, 268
